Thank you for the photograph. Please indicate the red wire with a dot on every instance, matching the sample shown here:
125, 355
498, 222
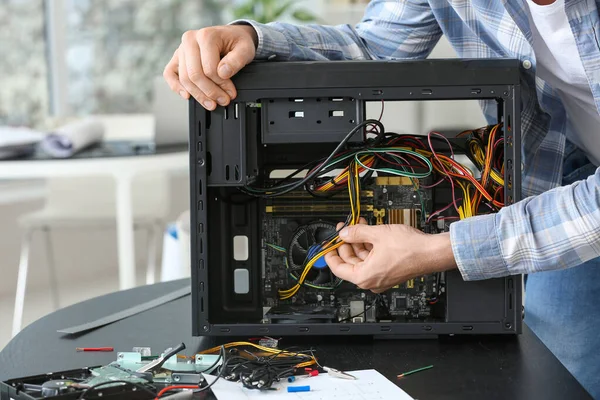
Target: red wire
174, 387
432, 186
497, 191
440, 210
373, 126
442, 165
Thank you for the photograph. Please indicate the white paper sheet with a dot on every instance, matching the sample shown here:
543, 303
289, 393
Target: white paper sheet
14, 136
370, 385
17, 141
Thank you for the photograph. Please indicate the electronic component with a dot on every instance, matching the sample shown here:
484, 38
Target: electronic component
120, 381
401, 303
357, 310
379, 215
156, 364
370, 314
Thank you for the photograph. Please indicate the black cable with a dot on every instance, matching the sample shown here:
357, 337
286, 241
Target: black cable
283, 189
135, 384
221, 371
213, 364
261, 372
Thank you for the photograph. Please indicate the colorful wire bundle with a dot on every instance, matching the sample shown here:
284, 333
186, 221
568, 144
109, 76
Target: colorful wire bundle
260, 369
389, 154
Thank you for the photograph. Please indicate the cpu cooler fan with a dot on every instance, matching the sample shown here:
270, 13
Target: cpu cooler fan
305, 244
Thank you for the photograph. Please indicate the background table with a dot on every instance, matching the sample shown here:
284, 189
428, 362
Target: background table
464, 368
122, 160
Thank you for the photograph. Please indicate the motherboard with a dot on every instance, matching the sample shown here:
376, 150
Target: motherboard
295, 222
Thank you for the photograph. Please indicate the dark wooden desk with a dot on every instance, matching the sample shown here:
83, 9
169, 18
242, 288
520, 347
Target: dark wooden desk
465, 368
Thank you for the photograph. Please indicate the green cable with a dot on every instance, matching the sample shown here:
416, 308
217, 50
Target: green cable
278, 248
395, 171
415, 371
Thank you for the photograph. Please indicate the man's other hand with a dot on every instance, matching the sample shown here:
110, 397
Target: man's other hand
378, 257
204, 63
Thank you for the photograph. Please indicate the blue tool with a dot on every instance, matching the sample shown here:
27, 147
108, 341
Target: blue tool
294, 389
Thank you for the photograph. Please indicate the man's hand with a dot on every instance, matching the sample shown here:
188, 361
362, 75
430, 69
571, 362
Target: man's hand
379, 257
206, 60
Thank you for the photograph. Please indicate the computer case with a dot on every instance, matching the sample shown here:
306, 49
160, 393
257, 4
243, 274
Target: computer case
282, 117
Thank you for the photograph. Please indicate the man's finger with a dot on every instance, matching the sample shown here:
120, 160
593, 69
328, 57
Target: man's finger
189, 85
211, 56
360, 250
240, 55
197, 78
346, 252
339, 268
359, 234
171, 76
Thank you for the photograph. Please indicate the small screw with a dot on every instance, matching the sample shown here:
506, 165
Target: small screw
384, 190
508, 325
201, 162
205, 328
390, 203
176, 378
505, 93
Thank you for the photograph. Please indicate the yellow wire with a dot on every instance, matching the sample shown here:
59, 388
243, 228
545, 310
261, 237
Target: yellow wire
333, 244
280, 353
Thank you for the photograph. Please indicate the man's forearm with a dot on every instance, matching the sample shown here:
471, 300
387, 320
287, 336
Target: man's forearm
390, 29
289, 42
557, 229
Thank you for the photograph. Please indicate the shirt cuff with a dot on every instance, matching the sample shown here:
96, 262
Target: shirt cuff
476, 247
271, 42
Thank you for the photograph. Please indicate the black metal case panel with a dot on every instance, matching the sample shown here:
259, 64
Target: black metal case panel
309, 120
236, 137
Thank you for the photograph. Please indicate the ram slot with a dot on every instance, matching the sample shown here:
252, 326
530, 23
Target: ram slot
403, 217
294, 210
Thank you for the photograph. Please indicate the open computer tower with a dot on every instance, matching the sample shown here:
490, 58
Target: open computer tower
247, 250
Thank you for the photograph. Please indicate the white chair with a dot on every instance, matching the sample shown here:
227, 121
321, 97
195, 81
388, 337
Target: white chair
90, 203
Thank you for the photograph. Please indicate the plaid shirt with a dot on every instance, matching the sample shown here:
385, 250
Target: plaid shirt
556, 227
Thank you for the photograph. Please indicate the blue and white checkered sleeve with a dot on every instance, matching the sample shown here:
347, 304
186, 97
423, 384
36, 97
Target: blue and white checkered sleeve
555, 230
390, 29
